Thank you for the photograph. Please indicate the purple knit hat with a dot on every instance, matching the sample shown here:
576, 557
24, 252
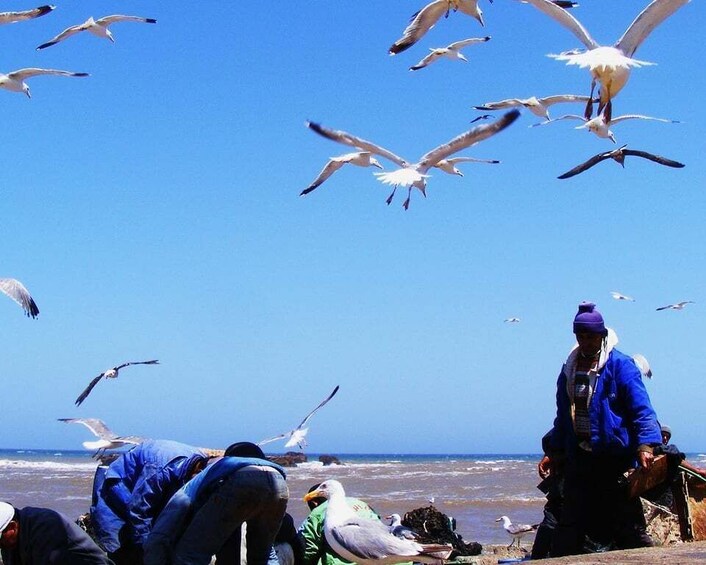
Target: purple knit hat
589, 320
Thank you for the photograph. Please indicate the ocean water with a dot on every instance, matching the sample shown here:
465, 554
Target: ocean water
474, 489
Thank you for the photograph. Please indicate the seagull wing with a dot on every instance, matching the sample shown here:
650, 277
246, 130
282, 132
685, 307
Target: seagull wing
471, 137
68, 32
331, 167
566, 19
270, 440
310, 414
107, 20
665, 307
97, 427
12, 17
585, 165
22, 74
371, 539
420, 23
454, 160
88, 389
464, 42
655, 13
618, 119
17, 291
150, 362
435, 55
656, 158
643, 365
501, 104
347, 139
564, 117
558, 98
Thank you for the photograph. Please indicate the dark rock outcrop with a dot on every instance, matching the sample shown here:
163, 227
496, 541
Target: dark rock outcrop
436, 527
330, 460
289, 459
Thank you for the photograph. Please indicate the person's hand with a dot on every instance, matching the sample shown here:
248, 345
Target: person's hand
544, 467
645, 459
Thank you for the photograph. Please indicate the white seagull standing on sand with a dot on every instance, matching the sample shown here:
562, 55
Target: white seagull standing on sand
107, 438
296, 436
452, 51
17, 291
110, 374
600, 126
424, 20
538, 106
15, 81
618, 155
14, 17
677, 306
517, 531
98, 28
364, 540
361, 159
609, 65
619, 296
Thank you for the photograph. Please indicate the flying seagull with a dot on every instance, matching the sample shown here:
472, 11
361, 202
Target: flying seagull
619, 296
17, 291
643, 365
426, 18
296, 436
14, 17
363, 145
110, 374
397, 529
512, 320
600, 126
538, 106
609, 65
618, 155
361, 159
451, 51
107, 438
677, 306
98, 28
15, 81
517, 531
368, 541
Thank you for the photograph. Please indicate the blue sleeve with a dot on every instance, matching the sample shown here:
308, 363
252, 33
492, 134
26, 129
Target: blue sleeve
645, 430
149, 497
556, 437
167, 529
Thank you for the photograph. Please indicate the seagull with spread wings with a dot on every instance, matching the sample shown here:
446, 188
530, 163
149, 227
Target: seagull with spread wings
538, 106
677, 306
110, 374
296, 436
451, 51
619, 296
360, 158
17, 291
14, 17
15, 81
107, 438
609, 65
618, 155
600, 126
98, 28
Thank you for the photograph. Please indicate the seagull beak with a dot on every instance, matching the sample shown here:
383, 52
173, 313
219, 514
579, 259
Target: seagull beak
313, 494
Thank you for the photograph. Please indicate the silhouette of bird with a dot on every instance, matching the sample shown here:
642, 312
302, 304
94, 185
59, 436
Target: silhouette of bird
14, 17
364, 540
15, 81
451, 51
17, 291
361, 159
516, 531
107, 438
619, 296
512, 320
397, 529
677, 306
110, 374
296, 436
618, 155
99, 28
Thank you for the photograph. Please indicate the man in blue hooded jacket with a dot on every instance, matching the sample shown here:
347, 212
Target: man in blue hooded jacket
135, 489
604, 425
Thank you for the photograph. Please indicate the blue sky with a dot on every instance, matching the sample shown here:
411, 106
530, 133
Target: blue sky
153, 211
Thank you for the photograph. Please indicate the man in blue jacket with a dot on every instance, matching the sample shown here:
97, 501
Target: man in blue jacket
604, 425
41, 536
135, 489
204, 517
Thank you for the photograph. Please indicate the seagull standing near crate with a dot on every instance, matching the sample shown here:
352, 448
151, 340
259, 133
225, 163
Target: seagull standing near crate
516, 531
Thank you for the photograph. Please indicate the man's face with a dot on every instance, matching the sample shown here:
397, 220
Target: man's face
665, 438
589, 342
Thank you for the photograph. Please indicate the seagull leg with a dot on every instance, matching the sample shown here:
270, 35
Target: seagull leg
405, 204
608, 112
392, 194
589, 105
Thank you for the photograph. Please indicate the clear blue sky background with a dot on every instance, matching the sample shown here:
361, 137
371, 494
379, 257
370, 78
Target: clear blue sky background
153, 211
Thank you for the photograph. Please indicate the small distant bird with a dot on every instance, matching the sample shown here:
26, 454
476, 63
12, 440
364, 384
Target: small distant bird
426, 18
14, 17
517, 531
619, 296
609, 65
98, 28
512, 320
17, 291
538, 106
449, 165
643, 365
110, 374
451, 51
400, 531
107, 438
367, 541
296, 436
677, 306
361, 159
600, 127
618, 155
15, 81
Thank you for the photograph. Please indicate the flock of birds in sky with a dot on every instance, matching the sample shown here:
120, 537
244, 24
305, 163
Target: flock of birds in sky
609, 67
